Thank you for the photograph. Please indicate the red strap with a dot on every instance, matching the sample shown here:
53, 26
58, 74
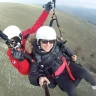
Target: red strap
59, 70
68, 69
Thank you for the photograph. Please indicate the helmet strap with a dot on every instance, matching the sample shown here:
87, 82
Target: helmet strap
20, 36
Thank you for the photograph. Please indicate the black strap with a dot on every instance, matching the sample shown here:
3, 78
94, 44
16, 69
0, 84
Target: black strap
54, 2
54, 18
45, 86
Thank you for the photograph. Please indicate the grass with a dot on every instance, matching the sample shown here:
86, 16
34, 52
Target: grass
80, 36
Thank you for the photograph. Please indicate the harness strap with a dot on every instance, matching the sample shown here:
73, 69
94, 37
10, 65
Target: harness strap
68, 69
61, 68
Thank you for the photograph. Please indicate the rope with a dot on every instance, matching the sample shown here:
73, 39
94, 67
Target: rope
54, 18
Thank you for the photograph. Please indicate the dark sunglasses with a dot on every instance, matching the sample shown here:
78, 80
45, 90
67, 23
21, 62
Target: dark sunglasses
46, 41
13, 41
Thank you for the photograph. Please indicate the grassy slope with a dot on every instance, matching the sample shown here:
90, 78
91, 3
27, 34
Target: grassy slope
81, 37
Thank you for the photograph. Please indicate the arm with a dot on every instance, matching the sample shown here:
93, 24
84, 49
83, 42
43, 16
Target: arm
70, 54
37, 25
21, 66
34, 74
66, 52
40, 21
64, 49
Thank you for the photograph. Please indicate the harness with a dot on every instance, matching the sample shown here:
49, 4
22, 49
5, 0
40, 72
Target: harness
48, 61
52, 63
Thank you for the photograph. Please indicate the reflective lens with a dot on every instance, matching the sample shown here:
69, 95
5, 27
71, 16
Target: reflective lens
46, 41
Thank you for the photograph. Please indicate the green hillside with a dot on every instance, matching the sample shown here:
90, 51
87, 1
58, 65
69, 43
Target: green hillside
80, 36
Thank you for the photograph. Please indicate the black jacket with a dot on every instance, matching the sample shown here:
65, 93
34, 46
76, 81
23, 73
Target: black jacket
47, 62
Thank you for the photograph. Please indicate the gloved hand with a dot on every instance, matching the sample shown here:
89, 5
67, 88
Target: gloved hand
17, 54
48, 6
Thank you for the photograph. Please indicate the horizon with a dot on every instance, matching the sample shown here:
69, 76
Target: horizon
73, 3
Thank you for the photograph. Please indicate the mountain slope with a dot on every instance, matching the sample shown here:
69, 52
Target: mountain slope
81, 37
85, 13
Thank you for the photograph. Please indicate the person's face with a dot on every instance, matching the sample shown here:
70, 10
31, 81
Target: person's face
47, 45
11, 45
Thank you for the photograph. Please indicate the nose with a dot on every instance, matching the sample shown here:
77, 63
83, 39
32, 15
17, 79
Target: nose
48, 44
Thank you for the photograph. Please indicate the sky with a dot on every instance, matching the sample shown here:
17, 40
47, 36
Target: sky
86, 3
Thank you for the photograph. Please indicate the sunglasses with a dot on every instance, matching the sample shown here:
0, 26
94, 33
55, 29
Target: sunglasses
13, 41
46, 41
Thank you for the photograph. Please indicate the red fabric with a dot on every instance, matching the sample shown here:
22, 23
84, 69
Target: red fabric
62, 67
68, 69
36, 26
59, 70
23, 66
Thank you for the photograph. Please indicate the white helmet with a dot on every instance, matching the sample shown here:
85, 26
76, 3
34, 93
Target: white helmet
46, 32
12, 31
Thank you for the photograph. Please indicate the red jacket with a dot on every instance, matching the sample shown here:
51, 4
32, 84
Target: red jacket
23, 66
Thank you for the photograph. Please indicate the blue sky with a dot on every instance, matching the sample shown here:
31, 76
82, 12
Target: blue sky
86, 3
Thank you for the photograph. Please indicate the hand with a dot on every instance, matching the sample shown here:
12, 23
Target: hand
17, 54
74, 58
42, 80
48, 6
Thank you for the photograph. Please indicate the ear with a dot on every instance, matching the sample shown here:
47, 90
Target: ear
29, 43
